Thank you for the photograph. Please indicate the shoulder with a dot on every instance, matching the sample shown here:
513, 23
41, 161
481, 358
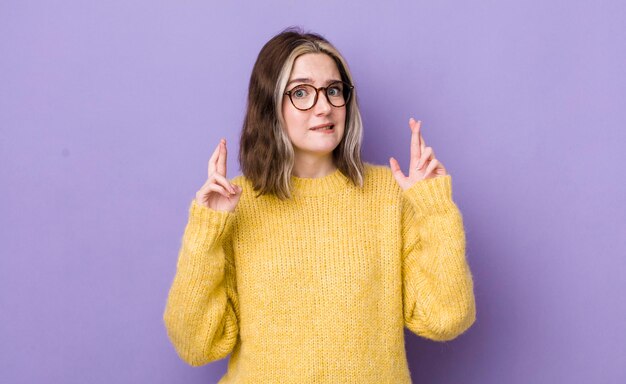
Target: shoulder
248, 203
380, 178
244, 183
378, 174
249, 194
240, 180
376, 171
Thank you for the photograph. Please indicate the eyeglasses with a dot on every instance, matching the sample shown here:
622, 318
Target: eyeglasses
304, 96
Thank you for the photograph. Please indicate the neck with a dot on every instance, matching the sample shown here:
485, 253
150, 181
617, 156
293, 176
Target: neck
308, 166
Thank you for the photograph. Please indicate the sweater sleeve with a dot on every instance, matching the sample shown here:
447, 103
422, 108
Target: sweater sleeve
437, 283
201, 314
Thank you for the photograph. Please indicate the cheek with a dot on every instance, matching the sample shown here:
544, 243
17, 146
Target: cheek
293, 121
342, 117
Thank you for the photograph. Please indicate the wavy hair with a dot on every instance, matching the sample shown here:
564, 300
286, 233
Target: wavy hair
266, 155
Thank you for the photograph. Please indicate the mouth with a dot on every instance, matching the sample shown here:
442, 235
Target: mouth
323, 127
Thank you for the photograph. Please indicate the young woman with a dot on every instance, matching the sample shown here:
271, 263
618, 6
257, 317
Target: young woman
308, 266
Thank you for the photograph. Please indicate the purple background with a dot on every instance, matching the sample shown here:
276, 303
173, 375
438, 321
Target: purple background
110, 110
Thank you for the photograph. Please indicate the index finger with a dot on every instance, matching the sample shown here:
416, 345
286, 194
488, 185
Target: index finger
422, 143
416, 151
221, 160
213, 159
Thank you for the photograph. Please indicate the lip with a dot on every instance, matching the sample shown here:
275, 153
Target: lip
321, 126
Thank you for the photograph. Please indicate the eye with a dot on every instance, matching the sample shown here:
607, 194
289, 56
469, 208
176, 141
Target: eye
299, 92
335, 90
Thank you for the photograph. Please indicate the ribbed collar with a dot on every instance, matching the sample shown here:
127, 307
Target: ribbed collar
332, 183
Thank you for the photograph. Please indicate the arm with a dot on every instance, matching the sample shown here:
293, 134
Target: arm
437, 283
201, 315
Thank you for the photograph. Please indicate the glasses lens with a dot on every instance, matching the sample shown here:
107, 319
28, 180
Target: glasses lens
303, 96
338, 93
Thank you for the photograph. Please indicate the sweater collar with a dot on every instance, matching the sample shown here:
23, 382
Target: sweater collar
332, 183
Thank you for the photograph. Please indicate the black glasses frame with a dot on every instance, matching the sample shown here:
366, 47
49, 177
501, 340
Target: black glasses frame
347, 86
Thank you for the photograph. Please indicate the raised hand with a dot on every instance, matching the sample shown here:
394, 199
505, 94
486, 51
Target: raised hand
218, 193
423, 164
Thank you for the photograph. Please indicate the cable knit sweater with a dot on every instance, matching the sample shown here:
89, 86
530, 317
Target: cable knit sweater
318, 288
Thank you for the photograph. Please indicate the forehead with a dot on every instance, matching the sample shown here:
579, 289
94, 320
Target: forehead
315, 66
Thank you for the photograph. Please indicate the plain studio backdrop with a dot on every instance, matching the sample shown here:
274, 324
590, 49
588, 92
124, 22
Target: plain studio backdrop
110, 110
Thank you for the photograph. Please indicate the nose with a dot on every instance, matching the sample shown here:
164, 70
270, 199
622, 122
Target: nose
322, 106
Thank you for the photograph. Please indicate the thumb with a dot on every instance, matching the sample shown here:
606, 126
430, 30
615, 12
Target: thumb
395, 169
235, 198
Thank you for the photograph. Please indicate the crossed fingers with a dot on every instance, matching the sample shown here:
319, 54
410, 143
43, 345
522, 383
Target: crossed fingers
423, 164
217, 171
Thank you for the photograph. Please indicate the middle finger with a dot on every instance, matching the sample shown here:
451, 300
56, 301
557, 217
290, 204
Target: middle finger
221, 160
213, 160
422, 143
415, 143
427, 154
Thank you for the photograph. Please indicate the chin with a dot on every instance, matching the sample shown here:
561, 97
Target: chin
317, 151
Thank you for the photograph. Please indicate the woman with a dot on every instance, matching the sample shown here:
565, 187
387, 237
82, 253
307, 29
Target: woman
309, 265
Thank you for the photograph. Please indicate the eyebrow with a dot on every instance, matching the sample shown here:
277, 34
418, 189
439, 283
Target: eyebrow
308, 81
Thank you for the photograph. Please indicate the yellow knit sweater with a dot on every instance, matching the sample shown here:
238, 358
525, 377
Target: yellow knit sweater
318, 288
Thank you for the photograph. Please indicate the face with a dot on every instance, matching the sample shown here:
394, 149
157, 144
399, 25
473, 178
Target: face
317, 69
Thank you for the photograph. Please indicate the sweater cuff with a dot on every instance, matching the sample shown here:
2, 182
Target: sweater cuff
206, 226
431, 195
